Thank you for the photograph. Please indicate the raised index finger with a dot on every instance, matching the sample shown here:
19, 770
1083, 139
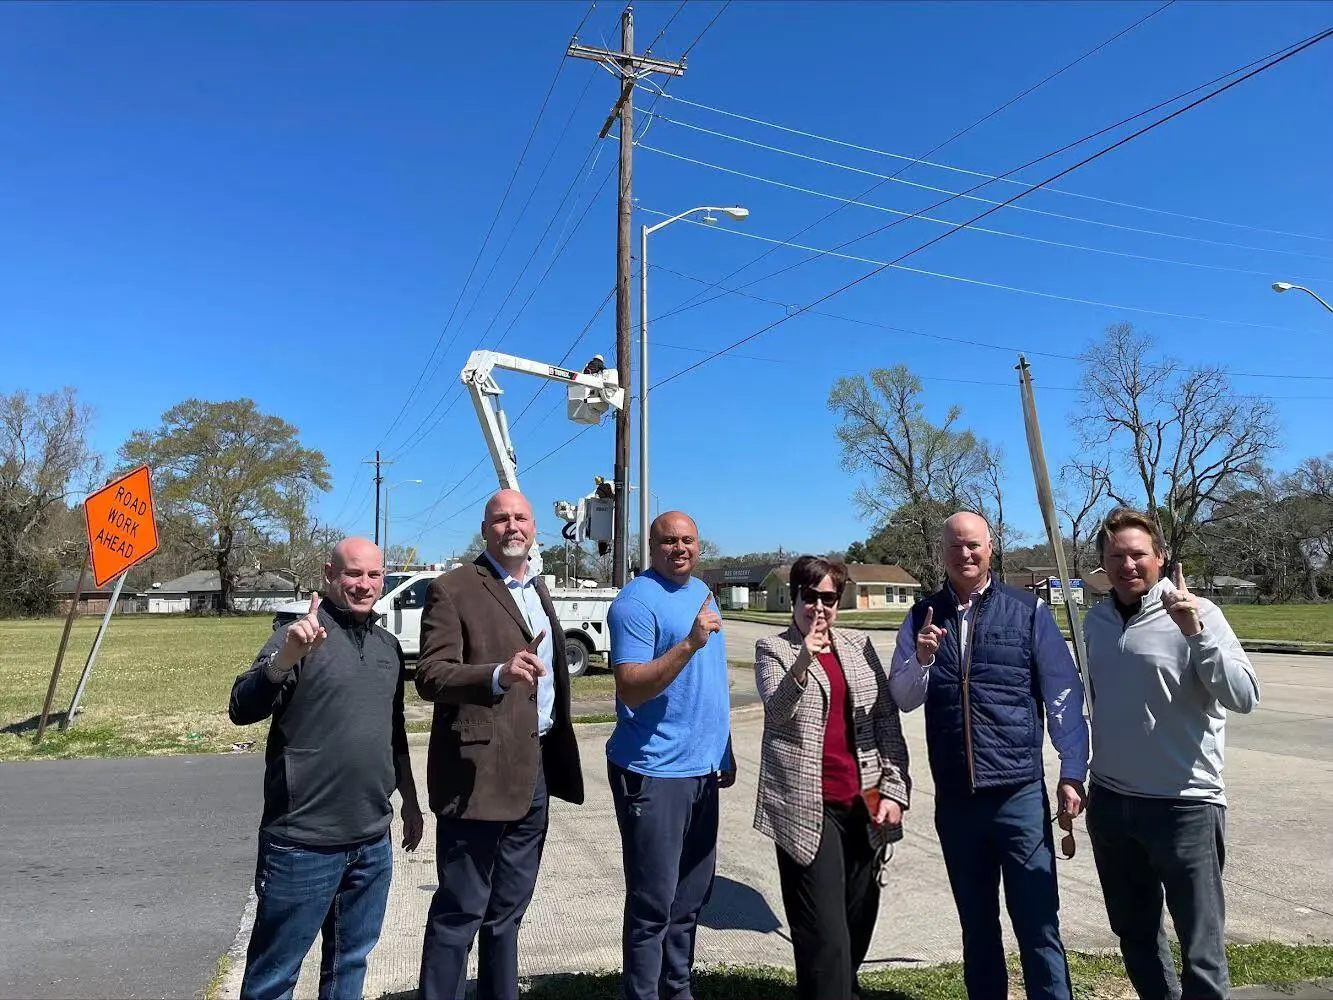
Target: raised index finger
314, 604
1179, 580
930, 617
704, 606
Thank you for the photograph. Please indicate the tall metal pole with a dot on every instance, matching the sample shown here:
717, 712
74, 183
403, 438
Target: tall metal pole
387, 497
620, 547
60, 653
1046, 500
379, 478
644, 520
92, 654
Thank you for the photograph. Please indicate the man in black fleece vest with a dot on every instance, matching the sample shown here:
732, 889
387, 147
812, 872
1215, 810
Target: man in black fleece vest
337, 748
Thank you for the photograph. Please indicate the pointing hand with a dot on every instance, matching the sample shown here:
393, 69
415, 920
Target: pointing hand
302, 637
928, 639
525, 665
706, 622
1182, 606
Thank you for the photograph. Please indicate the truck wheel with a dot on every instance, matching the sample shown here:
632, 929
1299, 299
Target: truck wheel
576, 652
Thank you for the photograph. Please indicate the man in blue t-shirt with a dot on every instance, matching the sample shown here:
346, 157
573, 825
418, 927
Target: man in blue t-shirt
667, 758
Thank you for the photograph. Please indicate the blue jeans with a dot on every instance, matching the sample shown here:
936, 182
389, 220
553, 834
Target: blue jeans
1150, 851
994, 833
341, 891
668, 836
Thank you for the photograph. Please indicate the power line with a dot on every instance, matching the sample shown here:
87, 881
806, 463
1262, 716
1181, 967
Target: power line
988, 201
987, 284
930, 152
1313, 40
504, 198
663, 31
1288, 50
944, 222
1003, 348
952, 168
699, 37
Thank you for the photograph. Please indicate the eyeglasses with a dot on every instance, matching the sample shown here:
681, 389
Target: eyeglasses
826, 597
1068, 846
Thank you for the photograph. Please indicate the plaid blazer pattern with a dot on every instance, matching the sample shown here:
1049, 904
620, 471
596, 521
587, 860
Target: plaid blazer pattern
790, 807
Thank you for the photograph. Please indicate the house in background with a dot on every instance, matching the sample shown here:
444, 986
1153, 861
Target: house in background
1228, 587
870, 587
92, 599
1037, 579
198, 591
738, 587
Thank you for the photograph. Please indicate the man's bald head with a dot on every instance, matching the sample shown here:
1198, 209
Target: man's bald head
966, 540
354, 575
673, 544
509, 528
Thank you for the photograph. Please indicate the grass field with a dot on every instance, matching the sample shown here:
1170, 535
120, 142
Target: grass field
1095, 977
160, 685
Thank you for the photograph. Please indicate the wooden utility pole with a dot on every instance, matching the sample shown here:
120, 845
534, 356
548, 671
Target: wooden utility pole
379, 478
630, 68
1046, 501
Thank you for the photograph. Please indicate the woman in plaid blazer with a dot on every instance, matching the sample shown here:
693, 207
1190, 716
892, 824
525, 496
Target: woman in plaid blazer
833, 780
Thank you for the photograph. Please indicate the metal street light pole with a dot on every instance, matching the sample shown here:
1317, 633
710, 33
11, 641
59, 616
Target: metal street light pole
1287, 286
735, 212
388, 494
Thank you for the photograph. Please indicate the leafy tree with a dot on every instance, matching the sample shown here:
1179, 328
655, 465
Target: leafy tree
237, 473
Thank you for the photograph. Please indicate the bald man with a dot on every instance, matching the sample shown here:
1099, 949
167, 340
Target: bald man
668, 755
501, 743
988, 661
333, 683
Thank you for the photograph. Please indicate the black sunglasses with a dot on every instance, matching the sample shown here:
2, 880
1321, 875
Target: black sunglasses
826, 597
1068, 846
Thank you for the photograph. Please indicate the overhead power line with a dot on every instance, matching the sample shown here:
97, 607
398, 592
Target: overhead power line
934, 149
1151, 126
690, 304
945, 222
490, 230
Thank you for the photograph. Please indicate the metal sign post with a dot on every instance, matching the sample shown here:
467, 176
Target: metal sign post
1046, 500
60, 654
92, 654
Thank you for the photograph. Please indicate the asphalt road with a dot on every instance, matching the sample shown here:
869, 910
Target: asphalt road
123, 878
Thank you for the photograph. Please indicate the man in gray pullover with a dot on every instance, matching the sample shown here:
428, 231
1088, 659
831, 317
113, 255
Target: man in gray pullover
1164, 667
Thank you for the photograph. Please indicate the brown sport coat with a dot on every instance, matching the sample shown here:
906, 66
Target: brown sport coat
482, 762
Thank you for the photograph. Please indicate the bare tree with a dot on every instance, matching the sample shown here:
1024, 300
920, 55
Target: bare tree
1082, 496
45, 462
919, 471
1184, 433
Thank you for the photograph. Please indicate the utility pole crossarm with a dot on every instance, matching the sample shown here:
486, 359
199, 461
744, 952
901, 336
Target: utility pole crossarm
641, 64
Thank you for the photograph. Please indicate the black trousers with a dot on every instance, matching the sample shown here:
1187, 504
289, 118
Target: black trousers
487, 871
832, 904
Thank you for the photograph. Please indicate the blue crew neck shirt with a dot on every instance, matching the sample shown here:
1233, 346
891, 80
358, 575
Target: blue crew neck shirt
684, 731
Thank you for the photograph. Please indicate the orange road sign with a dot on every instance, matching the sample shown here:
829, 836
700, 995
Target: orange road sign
122, 530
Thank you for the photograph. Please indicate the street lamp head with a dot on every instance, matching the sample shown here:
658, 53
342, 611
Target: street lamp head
709, 219
1283, 286
737, 213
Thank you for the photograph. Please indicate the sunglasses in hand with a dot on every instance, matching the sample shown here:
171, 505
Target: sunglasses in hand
828, 598
1068, 846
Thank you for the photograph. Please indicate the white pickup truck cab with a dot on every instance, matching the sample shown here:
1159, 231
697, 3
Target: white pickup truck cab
582, 613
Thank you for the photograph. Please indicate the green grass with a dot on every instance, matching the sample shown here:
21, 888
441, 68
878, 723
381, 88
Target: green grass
160, 685
1282, 622
1095, 977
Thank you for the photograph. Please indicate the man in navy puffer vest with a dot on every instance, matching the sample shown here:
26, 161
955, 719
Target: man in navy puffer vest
988, 662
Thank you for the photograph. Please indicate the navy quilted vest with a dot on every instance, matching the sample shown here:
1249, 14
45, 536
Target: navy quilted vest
985, 732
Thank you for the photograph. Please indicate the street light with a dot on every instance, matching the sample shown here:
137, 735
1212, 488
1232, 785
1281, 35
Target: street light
387, 495
734, 212
1287, 286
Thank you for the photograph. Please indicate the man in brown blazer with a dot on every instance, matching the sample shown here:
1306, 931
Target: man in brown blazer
493, 662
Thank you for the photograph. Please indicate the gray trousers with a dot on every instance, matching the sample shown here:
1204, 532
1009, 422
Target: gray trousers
1150, 851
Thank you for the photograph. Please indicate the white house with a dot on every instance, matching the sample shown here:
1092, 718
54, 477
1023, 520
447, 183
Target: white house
870, 587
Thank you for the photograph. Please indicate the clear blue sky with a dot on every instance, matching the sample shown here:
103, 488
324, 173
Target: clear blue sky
283, 202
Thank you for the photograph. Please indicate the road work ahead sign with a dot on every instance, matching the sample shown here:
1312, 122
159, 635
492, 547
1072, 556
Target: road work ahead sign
122, 530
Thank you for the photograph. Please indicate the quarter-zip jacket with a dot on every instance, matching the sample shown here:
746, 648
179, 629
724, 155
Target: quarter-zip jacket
337, 726
1159, 699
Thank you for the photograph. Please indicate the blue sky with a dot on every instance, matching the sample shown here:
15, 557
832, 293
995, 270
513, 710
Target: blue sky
284, 201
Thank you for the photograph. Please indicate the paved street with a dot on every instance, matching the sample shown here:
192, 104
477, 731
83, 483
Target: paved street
123, 878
